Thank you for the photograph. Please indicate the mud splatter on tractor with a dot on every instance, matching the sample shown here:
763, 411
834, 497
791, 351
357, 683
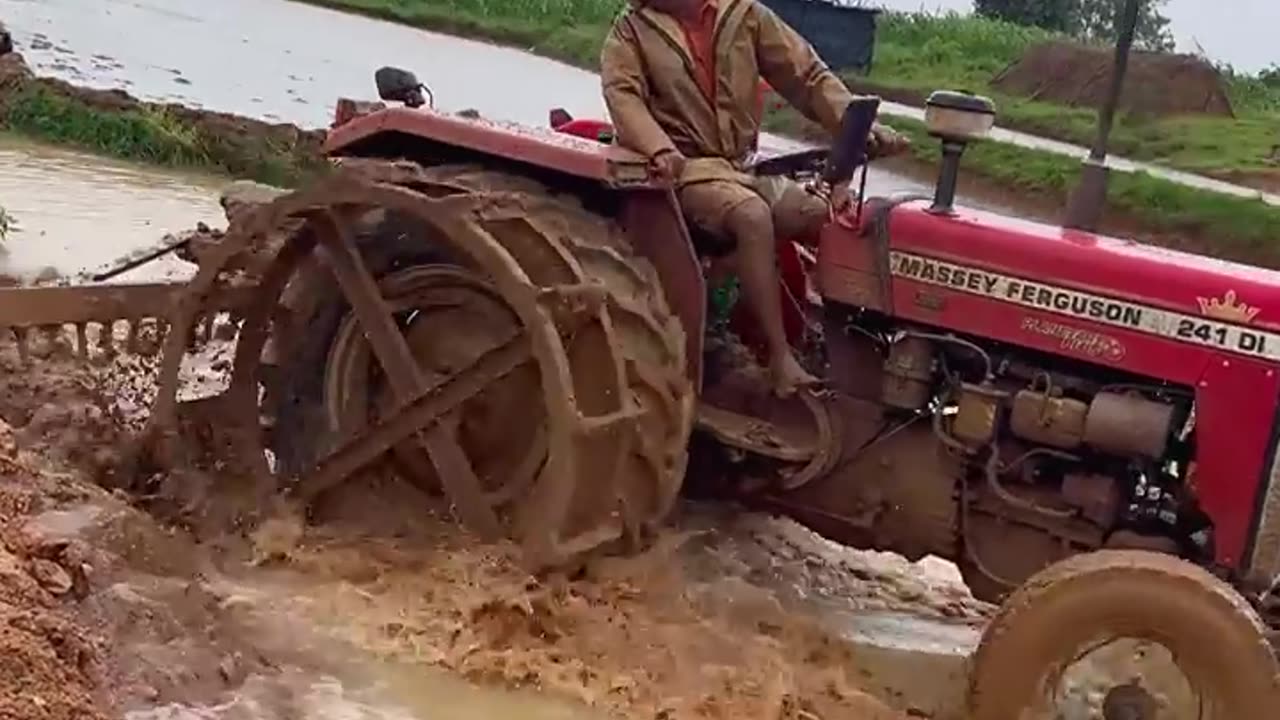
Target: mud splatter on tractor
517, 319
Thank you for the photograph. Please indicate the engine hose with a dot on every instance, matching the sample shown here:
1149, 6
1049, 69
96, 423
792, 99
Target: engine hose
969, 550
1050, 452
945, 437
986, 359
993, 483
992, 466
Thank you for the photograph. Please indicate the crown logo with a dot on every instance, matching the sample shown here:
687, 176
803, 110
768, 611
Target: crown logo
1228, 308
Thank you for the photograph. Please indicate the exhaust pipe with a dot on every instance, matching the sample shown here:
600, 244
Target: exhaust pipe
957, 119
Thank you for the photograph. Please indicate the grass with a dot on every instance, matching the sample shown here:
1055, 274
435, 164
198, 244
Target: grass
5, 221
149, 134
919, 53
1224, 226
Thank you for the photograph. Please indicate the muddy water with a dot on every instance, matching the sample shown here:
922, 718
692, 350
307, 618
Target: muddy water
76, 213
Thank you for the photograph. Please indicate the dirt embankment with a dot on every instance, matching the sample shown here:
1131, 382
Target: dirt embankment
1156, 84
243, 147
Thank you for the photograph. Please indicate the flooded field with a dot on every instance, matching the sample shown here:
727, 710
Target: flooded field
75, 212
263, 59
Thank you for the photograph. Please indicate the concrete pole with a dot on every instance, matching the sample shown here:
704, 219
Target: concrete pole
1089, 199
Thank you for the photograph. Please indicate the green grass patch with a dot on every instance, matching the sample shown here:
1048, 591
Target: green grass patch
921, 53
927, 52
148, 134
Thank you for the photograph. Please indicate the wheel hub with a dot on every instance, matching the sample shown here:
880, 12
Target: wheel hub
1129, 702
449, 318
1124, 679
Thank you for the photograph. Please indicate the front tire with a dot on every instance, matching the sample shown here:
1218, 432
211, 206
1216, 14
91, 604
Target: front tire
1215, 638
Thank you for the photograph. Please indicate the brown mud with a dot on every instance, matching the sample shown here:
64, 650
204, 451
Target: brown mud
115, 604
1156, 84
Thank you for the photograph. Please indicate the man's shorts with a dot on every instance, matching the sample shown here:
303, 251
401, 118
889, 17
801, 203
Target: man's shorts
796, 212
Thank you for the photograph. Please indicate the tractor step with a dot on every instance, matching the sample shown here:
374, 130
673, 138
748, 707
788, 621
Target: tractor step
788, 443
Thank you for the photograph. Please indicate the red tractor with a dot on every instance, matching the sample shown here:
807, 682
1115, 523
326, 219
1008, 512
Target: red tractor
518, 318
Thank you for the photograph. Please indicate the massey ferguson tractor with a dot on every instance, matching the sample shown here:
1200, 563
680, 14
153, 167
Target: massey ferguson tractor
519, 320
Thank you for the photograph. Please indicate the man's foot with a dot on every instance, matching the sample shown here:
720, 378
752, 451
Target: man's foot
789, 376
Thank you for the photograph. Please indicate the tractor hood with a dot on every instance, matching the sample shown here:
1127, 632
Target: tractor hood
1078, 275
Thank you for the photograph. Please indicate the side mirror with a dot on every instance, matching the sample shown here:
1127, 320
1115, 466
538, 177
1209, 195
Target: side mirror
397, 85
850, 150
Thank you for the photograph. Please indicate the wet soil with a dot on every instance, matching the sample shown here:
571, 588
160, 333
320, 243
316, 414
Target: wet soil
151, 605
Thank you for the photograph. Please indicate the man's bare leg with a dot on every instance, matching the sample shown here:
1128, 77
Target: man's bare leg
751, 224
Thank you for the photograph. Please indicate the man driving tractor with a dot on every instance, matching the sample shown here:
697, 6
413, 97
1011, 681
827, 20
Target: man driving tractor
680, 81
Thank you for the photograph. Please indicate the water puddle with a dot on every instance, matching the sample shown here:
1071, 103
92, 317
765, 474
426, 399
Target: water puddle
75, 212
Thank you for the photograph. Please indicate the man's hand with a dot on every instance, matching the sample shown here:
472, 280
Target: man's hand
884, 141
668, 165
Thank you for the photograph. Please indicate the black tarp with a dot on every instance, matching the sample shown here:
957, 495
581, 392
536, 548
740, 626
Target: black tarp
844, 36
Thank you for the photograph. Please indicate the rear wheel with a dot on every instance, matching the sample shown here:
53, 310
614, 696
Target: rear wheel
1124, 635
498, 343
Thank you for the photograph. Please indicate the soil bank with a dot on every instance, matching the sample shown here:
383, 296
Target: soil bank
114, 123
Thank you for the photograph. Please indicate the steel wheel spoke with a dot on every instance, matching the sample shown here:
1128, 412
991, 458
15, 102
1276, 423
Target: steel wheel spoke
367, 304
459, 478
427, 410
401, 369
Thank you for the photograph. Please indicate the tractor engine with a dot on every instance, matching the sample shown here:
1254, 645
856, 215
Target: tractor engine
952, 436
1002, 458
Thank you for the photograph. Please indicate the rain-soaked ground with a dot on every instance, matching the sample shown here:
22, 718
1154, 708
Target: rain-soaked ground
385, 612
279, 60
